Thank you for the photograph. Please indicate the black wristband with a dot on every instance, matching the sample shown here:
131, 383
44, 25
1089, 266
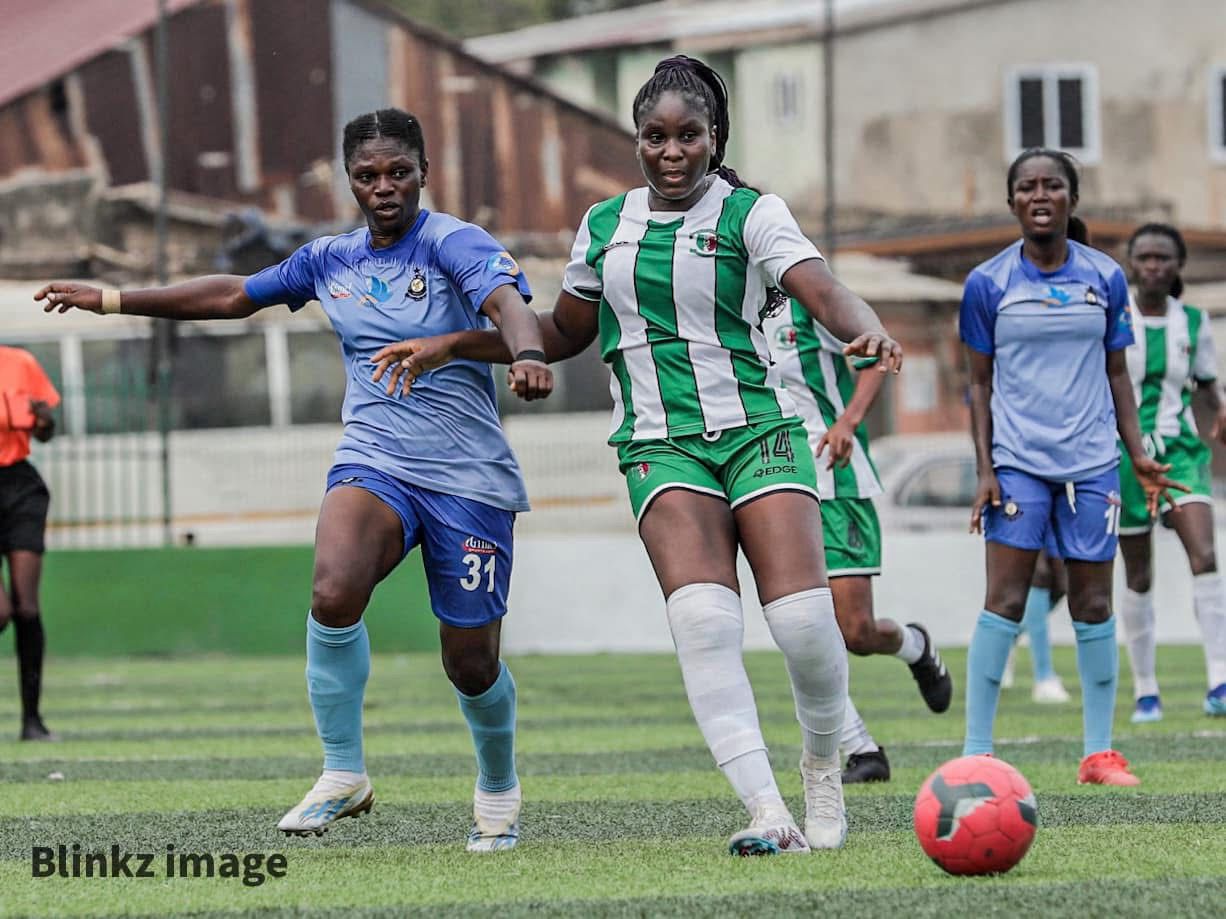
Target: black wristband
530, 354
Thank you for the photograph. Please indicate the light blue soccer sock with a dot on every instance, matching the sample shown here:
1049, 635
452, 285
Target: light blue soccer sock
1034, 621
338, 665
1098, 662
985, 662
491, 718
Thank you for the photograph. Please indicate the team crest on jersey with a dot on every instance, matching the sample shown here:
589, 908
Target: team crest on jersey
502, 261
706, 242
338, 291
642, 470
417, 285
479, 546
776, 300
1091, 297
377, 291
785, 337
1056, 296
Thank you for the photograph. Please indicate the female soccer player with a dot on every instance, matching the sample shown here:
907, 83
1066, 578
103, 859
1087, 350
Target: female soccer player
27, 397
673, 276
436, 471
1173, 357
1046, 323
832, 405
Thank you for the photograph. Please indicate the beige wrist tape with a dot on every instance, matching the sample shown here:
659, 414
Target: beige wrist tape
111, 300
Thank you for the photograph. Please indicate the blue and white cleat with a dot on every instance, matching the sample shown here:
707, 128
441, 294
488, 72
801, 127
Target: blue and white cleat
1215, 701
337, 794
771, 831
1148, 710
495, 820
825, 813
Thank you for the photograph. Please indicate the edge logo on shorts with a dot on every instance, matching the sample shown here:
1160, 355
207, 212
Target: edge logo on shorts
479, 546
774, 470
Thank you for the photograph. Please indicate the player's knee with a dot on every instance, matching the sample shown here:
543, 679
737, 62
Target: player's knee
472, 670
1202, 560
1139, 581
335, 602
1091, 609
26, 612
861, 636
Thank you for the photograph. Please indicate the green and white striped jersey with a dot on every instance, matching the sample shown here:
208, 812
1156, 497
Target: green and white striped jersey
682, 295
1172, 353
816, 375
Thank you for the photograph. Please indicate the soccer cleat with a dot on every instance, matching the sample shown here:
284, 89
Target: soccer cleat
771, 831
331, 799
1049, 691
34, 729
1149, 709
495, 820
825, 815
935, 683
1215, 700
867, 767
1107, 767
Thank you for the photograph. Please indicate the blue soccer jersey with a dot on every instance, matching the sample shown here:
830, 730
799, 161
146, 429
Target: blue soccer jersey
446, 436
1049, 334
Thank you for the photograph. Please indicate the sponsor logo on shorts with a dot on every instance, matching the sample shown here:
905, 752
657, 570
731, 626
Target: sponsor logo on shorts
480, 546
502, 261
417, 285
642, 470
1012, 511
774, 470
338, 291
349, 480
706, 242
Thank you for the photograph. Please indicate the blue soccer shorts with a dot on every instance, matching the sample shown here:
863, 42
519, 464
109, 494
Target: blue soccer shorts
466, 546
1077, 521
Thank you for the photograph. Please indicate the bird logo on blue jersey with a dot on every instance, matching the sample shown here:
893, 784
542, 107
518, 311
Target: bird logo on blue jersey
377, 291
1056, 296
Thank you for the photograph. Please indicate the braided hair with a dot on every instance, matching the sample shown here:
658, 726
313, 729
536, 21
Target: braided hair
1181, 248
1077, 230
700, 86
387, 122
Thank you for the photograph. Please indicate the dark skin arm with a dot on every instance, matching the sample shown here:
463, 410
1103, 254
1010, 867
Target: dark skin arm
840, 436
44, 421
564, 332
518, 330
1211, 391
217, 296
988, 489
842, 312
1150, 473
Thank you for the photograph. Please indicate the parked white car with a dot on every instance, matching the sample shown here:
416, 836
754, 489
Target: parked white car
929, 481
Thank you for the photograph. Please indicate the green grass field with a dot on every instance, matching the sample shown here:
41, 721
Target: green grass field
625, 813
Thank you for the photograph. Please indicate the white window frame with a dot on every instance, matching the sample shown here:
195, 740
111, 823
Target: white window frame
1217, 86
1051, 74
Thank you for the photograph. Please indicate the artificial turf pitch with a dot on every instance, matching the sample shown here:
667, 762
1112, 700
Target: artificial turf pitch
625, 813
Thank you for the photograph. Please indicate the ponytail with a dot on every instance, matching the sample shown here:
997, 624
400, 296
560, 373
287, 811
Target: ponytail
1077, 231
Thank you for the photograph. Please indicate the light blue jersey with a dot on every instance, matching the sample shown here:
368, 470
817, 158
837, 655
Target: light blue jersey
446, 437
1049, 333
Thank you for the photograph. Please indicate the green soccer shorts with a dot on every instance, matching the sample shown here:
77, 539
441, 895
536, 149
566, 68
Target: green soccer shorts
852, 534
1189, 459
738, 464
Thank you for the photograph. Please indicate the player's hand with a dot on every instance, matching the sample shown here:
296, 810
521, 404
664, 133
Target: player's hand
840, 438
530, 379
66, 296
987, 492
1219, 427
404, 361
1152, 476
878, 345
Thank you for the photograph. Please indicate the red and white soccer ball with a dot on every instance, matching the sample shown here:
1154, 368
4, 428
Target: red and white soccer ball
975, 815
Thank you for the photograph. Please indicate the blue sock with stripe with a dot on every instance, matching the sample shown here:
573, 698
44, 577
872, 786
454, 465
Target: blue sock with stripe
1098, 662
1034, 621
491, 718
985, 662
338, 665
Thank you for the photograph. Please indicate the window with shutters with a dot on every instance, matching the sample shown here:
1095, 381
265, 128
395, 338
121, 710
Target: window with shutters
1053, 105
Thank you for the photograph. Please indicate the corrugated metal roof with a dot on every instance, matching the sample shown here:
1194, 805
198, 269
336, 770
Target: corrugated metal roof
45, 39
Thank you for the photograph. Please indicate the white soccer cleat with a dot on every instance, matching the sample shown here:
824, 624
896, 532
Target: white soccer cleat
495, 820
771, 831
825, 814
335, 795
1049, 691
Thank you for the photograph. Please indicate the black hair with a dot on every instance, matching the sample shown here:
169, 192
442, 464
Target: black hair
1181, 248
1077, 230
387, 122
699, 85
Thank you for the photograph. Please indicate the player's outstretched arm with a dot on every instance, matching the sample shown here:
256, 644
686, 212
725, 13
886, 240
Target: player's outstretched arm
842, 312
565, 332
988, 490
1150, 473
840, 437
528, 376
218, 296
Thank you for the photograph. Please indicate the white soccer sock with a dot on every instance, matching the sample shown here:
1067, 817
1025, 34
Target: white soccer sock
804, 628
708, 631
912, 644
855, 738
1209, 602
1137, 616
